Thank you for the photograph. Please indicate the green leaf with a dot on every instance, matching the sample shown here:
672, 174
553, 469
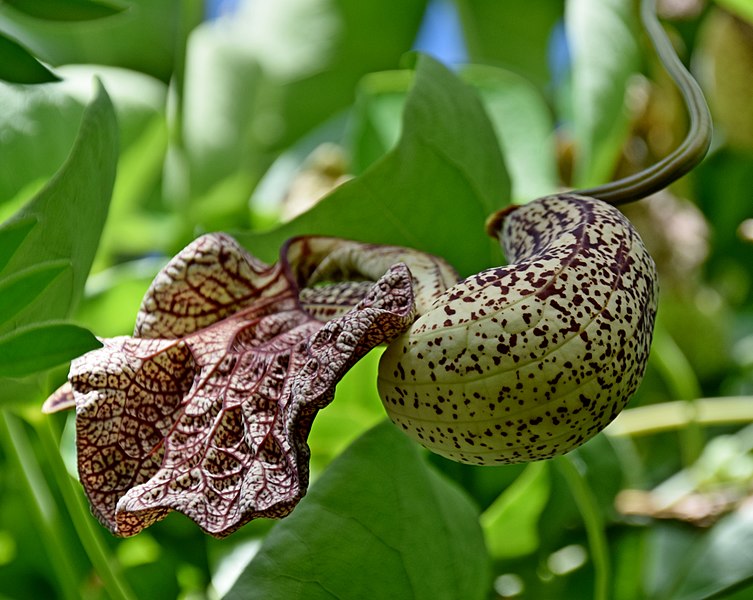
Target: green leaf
355, 409
368, 38
262, 81
69, 212
741, 8
18, 65
65, 10
379, 523
40, 347
433, 192
377, 116
146, 38
11, 237
711, 563
23, 287
494, 34
605, 54
40, 123
524, 128
511, 523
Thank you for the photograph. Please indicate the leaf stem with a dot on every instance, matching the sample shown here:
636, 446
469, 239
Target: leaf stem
667, 416
101, 558
678, 373
592, 519
40, 502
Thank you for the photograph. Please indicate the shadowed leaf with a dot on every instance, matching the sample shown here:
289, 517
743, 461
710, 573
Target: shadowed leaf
65, 10
39, 347
18, 65
380, 524
65, 219
23, 287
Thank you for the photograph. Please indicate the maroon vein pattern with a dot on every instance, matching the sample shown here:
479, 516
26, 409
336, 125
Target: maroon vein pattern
206, 409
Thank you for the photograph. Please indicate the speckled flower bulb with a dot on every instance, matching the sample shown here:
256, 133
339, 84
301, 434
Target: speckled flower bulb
529, 360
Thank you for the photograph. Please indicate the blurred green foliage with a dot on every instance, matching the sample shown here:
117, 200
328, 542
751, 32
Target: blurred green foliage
308, 116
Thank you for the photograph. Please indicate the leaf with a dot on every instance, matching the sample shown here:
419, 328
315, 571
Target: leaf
379, 523
18, 65
69, 213
40, 124
12, 236
377, 116
65, 10
494, 34
24, 287
439, 184
206, 409
372, 40
510, 523
712, 563
524, 128
40, 347
605, 54
157, 25
740, 8
261, 81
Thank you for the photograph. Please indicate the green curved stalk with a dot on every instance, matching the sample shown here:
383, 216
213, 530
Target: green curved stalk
103, 561
696, 143
592, 519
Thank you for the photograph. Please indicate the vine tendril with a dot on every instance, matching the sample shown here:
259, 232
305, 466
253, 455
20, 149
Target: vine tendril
697, 140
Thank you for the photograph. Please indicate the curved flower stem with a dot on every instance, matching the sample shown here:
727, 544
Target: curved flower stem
589, 510
696, 143
40, 502
103, 562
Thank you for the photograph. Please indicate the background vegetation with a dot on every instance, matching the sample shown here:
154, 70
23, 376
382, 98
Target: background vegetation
239, 117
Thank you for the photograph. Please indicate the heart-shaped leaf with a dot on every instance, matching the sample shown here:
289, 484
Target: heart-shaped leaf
447, 162
380, 524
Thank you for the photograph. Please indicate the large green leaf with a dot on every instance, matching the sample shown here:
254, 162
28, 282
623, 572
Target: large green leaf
40, 123
39, 347
23, 287
709, 563
494, 34
602, 40
69, 213
378, 524
510, 523
377, 116
18, 65
65, 10
11, 237
524, 128
148, 37
433, 192
259, 81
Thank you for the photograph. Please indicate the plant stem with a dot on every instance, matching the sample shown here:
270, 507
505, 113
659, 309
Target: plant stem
589, 510
41, 503
667, 416
678, 373
103, 561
